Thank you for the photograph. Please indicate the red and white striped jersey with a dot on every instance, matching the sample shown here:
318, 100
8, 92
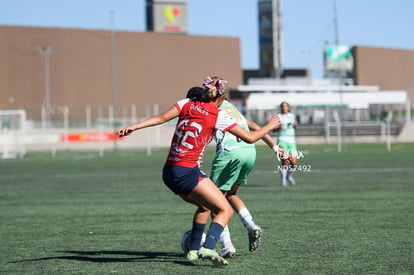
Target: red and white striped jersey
196, 124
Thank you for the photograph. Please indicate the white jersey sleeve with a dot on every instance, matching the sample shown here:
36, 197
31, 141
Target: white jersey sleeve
224, 122
179, 105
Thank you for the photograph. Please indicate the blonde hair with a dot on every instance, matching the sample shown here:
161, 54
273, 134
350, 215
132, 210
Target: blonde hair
212, 91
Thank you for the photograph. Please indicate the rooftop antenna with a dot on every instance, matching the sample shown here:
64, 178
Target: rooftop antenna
338, 75
278, 37
336, 24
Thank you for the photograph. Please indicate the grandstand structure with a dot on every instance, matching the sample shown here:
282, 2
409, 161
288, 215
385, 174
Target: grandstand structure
366, 91
327, 109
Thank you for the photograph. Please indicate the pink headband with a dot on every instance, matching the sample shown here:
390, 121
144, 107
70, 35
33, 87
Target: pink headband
209, 83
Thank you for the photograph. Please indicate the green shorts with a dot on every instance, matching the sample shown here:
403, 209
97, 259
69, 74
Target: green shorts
232, 167
290, 147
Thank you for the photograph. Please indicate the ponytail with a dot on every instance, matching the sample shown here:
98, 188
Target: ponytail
211, 92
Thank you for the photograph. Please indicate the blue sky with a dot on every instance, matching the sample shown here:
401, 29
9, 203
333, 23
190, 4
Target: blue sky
307, 24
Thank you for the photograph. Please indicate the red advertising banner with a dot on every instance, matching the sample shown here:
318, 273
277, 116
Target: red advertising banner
91, 137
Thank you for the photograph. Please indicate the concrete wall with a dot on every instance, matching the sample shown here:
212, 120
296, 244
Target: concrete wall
390, 69
150, 68
160, 137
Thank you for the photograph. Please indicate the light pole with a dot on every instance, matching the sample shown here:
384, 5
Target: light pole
46, 108
339, 77
113, 75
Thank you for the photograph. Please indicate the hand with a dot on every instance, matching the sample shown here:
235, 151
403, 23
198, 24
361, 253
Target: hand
124, 132
281, 152
273, 121
283, 155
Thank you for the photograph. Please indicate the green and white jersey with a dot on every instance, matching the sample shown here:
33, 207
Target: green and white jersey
287, 134
227, 141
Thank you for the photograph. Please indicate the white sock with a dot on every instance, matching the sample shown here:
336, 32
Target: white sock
289, 173
246, 218
225, 238
283, 174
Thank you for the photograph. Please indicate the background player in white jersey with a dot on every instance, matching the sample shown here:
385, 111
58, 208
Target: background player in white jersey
287, 141
197, 121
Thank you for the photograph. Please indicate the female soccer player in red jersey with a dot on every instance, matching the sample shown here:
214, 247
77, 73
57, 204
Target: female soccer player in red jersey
198, 118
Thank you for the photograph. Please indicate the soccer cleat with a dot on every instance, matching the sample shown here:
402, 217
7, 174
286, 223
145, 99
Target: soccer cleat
255, 234
192, 256
227, 252
291, 180
213, 256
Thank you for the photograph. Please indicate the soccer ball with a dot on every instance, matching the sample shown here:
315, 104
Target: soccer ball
185, 241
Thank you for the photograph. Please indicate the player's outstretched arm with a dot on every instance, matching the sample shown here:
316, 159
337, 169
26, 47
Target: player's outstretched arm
253, 136
152, 121
267, 138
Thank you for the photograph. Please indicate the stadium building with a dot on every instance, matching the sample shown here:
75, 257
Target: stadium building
366, 91
81, 78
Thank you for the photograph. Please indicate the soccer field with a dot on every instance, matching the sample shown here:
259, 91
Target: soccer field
351, 213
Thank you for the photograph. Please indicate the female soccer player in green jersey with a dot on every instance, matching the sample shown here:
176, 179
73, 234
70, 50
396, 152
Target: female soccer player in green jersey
286, 140
231, 166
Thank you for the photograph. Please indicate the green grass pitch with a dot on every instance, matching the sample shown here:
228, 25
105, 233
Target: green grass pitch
78, 213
